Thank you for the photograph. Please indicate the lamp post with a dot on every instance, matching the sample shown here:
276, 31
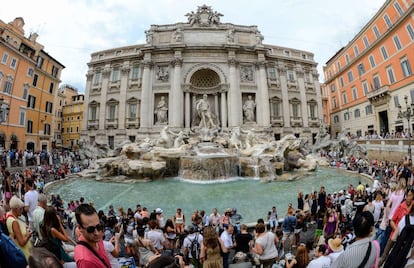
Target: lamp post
409, 111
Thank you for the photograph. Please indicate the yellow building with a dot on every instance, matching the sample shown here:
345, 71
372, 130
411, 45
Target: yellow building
29, 78
65, 94
72, 116
368, 79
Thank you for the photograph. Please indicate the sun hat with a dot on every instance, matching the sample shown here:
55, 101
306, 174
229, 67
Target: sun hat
335, 244
16, 202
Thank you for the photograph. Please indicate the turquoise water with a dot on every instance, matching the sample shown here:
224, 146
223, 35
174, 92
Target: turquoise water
252, 198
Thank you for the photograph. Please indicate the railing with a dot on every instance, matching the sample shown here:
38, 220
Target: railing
93, 124
132, 122
111, 123
296, 121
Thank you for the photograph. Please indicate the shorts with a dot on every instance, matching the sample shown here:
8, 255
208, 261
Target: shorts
286, 235
273, 224
297, 231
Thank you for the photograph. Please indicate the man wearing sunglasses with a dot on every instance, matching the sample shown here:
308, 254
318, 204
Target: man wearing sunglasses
90, 251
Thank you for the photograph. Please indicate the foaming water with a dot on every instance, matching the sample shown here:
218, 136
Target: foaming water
252, 198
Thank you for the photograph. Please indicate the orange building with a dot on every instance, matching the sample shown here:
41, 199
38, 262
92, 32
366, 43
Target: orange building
29, 78
366, 80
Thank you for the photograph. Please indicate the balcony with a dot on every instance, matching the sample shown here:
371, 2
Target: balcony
132, 122
111, 123
379, 96
296, 121
93, 124
314, 121
276, 121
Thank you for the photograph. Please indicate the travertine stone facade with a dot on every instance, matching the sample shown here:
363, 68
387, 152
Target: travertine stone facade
133, 92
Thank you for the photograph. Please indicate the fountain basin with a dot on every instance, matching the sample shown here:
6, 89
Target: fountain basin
209, 167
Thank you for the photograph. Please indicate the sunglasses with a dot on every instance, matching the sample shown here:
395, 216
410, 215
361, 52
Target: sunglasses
91, 229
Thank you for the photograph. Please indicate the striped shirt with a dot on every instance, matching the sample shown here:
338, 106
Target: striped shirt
355, 253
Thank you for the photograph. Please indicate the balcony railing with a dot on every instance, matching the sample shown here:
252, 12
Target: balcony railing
379, 96
296, 121
276, 121
132, 122
93, 124
111, 123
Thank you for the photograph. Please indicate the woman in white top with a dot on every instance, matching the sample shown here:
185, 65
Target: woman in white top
378, 207
265, 246
112, 250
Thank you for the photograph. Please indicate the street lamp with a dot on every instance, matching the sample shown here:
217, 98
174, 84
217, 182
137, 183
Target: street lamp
4, 110
407, 115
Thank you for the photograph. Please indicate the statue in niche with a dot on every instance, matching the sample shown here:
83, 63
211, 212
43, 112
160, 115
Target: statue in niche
178, 35
204, 112
249, 109
161, 111
162, 74
230, 36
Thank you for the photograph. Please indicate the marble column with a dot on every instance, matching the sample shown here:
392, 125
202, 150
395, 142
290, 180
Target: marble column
303, 100
234, 97
187, 110
146, 113
176, 97
285, 95
122, 112
223, 110
104, 88
263, 116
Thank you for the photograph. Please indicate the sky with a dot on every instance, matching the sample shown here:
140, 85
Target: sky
70, 30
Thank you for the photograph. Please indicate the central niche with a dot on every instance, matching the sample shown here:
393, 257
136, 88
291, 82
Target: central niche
205, 79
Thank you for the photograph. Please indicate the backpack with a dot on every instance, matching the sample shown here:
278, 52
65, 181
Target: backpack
195, 248
398, 254
10, 254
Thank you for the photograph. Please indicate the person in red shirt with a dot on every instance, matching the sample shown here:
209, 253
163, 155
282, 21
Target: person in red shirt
90, 251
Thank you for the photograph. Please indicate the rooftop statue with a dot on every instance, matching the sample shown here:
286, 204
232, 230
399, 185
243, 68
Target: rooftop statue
204, 16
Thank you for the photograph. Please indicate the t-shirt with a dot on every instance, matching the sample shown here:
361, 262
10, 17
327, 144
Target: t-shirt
267, 241
242, 242
109, 247
86, 259
321, 262
30, 200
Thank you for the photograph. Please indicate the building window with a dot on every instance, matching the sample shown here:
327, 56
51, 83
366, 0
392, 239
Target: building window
390, 73
31, 103
1, 77
49, 107
54, 71
35, 77
296, 109
354, 93
344, 99
396, 101
405, 66
4, 58
286, 52
97, 78
272, 73
398, 8
338, 64
336, 119
25, 91
356, 51
377, 82
384, 52
397, 42
8, 85
92, 112
372, 61
335, 104
357, 113
312, 110
111, 142
341, 81
347, 58
132, 111
332, 87
376, 31
410, 31
39, 62
387, 21
366, 43
368, 109
29, 126
51, 86
361, 69
115, 74
135, 72
291, 76
350, 76
22, 117
30, 72
275, 108
346, 116
13, 63
365, 87
47, 129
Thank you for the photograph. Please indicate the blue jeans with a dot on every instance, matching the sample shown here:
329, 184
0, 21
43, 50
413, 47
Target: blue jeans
383, 238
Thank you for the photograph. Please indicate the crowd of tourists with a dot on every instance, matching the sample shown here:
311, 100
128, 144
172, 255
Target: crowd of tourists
365, 225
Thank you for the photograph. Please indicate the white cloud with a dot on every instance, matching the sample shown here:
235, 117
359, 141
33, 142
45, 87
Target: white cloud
73, 29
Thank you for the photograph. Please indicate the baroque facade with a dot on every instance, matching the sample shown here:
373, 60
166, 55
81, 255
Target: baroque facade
368, 79
201, 73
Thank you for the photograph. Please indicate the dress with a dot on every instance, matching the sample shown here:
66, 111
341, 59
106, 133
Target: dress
213, 258
330, 227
